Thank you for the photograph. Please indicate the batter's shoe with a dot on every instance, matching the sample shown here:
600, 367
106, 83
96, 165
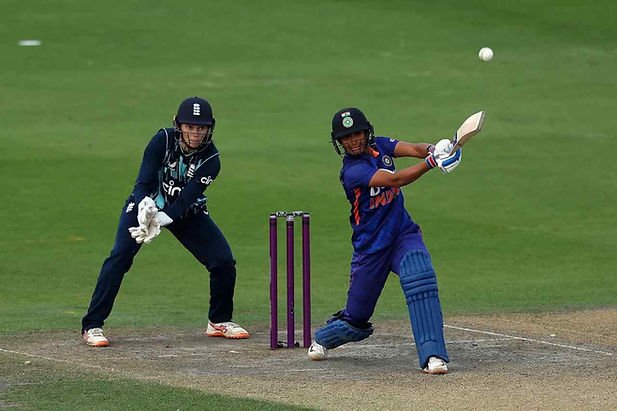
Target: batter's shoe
436, 366
317, 352
94, 337
227, 329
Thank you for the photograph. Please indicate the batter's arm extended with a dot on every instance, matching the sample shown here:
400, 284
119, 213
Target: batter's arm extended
387, 178
417, 150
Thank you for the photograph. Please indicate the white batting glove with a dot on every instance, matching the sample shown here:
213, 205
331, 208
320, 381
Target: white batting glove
446, 162
443, 148
449, 163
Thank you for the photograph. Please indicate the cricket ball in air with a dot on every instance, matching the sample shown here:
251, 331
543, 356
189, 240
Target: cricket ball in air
485, 54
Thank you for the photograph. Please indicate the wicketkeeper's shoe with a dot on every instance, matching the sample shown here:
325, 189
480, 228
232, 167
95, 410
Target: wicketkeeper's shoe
94, 337
436, 366
317, 352
227, 329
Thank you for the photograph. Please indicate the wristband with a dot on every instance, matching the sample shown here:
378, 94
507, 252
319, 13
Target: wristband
430, 161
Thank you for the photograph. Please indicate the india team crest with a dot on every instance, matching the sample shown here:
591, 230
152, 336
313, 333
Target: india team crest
347, 122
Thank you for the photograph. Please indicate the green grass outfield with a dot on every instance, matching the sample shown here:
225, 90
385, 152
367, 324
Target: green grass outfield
526, 223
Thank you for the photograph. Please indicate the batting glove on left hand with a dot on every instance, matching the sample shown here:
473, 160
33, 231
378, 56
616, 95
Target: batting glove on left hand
442, 158
443, 148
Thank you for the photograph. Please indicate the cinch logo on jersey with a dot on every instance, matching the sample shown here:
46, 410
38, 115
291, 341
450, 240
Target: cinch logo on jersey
170, 190
196, 109
381, 196
206, 180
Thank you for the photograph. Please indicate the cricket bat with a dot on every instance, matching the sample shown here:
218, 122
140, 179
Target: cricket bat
469, 128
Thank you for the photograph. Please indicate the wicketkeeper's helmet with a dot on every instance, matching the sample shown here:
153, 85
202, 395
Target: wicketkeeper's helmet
196, 110
347, 121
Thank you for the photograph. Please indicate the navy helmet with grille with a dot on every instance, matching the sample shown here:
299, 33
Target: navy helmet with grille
348, 121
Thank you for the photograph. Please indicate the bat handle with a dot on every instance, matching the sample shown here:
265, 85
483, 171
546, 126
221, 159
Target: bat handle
454, 143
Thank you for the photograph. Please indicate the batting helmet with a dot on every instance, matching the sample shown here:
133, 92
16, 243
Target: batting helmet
348, 121
195, 110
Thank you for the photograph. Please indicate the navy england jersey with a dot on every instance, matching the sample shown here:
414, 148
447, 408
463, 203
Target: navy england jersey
174, 180
378, 214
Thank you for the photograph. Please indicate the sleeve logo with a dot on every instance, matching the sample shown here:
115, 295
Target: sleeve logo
387, 160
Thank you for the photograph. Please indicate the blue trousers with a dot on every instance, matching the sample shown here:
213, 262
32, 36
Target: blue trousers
198, 234
368, 277
369, 273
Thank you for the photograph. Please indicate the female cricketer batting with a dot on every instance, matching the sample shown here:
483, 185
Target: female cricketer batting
178, 165
385, 238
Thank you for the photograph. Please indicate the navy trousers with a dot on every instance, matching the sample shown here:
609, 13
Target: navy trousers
198, 234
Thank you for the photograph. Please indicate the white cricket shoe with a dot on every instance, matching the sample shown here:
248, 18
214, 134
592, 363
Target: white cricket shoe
317, 352
227, 329
436, 366
94, 337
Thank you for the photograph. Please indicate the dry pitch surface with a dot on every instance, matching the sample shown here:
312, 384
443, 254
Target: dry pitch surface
540, 361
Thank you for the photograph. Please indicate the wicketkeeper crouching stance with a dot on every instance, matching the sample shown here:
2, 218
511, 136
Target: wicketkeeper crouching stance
178, 165
385, 238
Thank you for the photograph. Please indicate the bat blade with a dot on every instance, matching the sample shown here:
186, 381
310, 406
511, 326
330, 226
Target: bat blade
469, 128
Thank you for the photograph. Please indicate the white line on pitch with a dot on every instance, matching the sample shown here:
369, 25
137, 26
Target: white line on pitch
80, 364
42, 357
572, 347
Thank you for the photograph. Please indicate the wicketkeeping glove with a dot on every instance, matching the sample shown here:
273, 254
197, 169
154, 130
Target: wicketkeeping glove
145, 234
146, 211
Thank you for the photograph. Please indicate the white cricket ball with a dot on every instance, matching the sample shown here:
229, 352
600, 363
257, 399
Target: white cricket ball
485, 54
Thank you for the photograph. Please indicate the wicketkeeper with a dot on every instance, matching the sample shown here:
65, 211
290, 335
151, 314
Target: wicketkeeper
178, 165
385, 238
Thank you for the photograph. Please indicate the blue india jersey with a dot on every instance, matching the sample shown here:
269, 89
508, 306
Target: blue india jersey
377, 214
